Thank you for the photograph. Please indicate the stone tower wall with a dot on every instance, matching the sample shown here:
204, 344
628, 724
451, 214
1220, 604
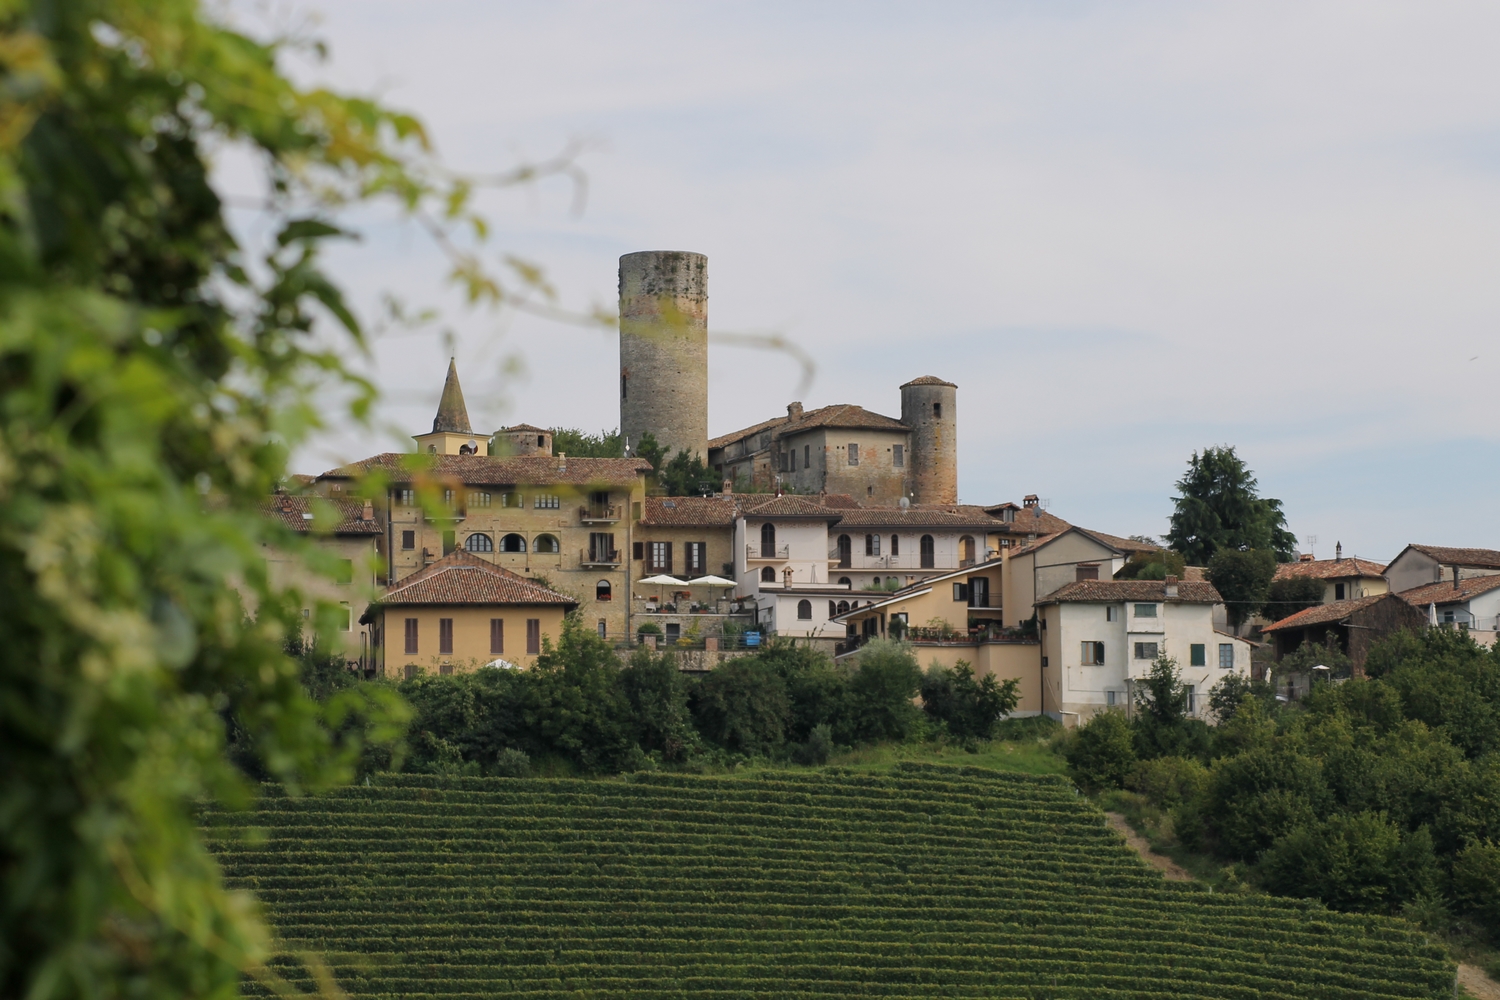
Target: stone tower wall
664, 349
930, 408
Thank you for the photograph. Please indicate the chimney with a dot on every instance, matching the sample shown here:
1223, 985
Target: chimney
368, 513
1455, 578
1338, 552
728, 486
1305, 557
794, 411
562, 461
1171, 587
1030, 500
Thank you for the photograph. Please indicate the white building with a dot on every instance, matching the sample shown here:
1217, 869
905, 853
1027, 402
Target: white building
1100, 637
1470, 603
781, 563
1418, 565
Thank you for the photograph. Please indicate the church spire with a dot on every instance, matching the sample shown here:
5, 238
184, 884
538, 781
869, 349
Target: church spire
452, 415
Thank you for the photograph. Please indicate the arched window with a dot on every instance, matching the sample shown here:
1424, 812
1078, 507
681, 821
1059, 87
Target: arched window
545, 543
843, 606
844, 581
541, 442
872, 545
966, 546
804, 611
895, 545
603, 591
875, 583
479, 543
768, 541
767, 575
513, 543
833, 609
929, 556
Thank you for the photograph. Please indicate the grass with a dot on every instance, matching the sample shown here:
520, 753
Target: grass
1028, 757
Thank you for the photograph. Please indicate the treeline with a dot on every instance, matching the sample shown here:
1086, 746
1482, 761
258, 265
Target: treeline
579, 709
1379, 794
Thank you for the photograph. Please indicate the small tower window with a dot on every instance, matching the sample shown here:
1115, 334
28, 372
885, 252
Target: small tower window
541, 442
937, 411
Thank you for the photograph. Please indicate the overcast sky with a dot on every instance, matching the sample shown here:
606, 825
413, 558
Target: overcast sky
1126, 231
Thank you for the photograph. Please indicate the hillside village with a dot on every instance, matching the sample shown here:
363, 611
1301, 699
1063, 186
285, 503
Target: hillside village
832, 526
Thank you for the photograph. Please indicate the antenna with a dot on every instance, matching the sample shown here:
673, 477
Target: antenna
1312, 544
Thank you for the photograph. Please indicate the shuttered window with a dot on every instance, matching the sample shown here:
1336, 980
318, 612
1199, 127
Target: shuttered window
445, 636
411, 637
533, 636
497, 636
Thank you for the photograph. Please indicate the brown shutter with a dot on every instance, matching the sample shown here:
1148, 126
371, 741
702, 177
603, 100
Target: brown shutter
640, 550
445, 636
411, 637
533, 636
497, 636
668, 559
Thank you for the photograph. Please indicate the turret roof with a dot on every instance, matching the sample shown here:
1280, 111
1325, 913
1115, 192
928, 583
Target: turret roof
452, 414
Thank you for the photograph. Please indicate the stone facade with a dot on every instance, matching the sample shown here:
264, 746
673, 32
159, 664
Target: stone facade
664, 350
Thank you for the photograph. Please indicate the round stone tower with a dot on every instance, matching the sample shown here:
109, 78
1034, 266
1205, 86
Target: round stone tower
664, 350
929, 406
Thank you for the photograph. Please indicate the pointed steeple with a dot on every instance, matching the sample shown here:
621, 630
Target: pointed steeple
452, 415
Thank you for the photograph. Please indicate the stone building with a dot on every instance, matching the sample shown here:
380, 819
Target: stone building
664, 350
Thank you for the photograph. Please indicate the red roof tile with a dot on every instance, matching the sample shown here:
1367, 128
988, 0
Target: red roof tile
1444, 592
688, 512
488, 470
301, 513
1482, 558
916, 517
930, 380
1328, 569
1318, 614
463, 578
1099, 591
790, 505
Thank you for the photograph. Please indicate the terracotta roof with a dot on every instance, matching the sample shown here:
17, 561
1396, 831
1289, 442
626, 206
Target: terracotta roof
839, 501
730, 438
300, 513
1444, 592
753, 505
1029, 521
839, 415
452, 414
463, 578
930, 380
917, 517
1096, 591
1483, 558
1328, 569
688, 512
1321, 613
1123, 544
526, 427
487, 470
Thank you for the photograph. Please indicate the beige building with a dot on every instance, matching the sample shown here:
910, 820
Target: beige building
1070, 556
459, 614
1342, 579
348, 535
687, 538
1418, 565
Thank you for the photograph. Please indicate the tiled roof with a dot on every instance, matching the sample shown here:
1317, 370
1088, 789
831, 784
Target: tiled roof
790, 505
526, 427
463, 578
1483, 558
290, 511
839, 415
487, 470
1444, 592
452, 415
839, 501
1123, 544
1320, 613
1328, 569
1095, 591
927, 516
1029, 521
730, 438
930, 380
688, 512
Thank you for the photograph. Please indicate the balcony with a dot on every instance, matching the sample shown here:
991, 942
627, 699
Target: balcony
595, 557
600, 513
767, 553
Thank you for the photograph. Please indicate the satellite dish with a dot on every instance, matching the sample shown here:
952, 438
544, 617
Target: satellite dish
905, 503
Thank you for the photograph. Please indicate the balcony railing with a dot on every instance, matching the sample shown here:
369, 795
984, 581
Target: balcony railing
767, 552
596, 557
599, 513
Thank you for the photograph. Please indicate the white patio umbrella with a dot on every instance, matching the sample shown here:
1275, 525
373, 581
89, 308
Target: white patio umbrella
662, 580
710, 581
1432, 613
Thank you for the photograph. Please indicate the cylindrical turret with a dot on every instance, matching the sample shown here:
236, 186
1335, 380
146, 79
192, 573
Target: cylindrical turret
664, 350
929, 406
521, 440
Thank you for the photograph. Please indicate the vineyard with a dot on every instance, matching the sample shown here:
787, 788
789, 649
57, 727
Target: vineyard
927, 882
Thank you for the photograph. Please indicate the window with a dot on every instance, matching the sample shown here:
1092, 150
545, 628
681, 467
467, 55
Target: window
979, 592
1109, 699
929, 554
1145, 650
1086, 571
804, 611
603, 591
1226, 655
846, 551
1145, 611
1338, 591
411, 671
853, 453
872, 545
512, 500
603, 629
533, 636
478, 499
545, 501
513, 543
1192, 699
660, 560
768, 541
674, 631
937, 411
898, 456
960, 591
1111, 613
406, 498
1092, 654
541, 441
833, 609
546, 543
450, 541
602, 547
1197, 655
411, 637
638, 550
344, 571
479, 543
807, 456
449, 497
695, 557
895, 545
348, 625
497, 636
624, 387
445, 636
408, 539
767, 575
843, 606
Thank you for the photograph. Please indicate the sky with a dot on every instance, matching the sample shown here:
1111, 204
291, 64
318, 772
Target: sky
1126, 231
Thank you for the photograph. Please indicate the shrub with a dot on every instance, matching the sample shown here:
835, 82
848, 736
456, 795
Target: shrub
1102, 753
1352, 861
1168, 781
1476, 882
817, 748
512, 763
743, 707
969, 708
1285, 598
878, 704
